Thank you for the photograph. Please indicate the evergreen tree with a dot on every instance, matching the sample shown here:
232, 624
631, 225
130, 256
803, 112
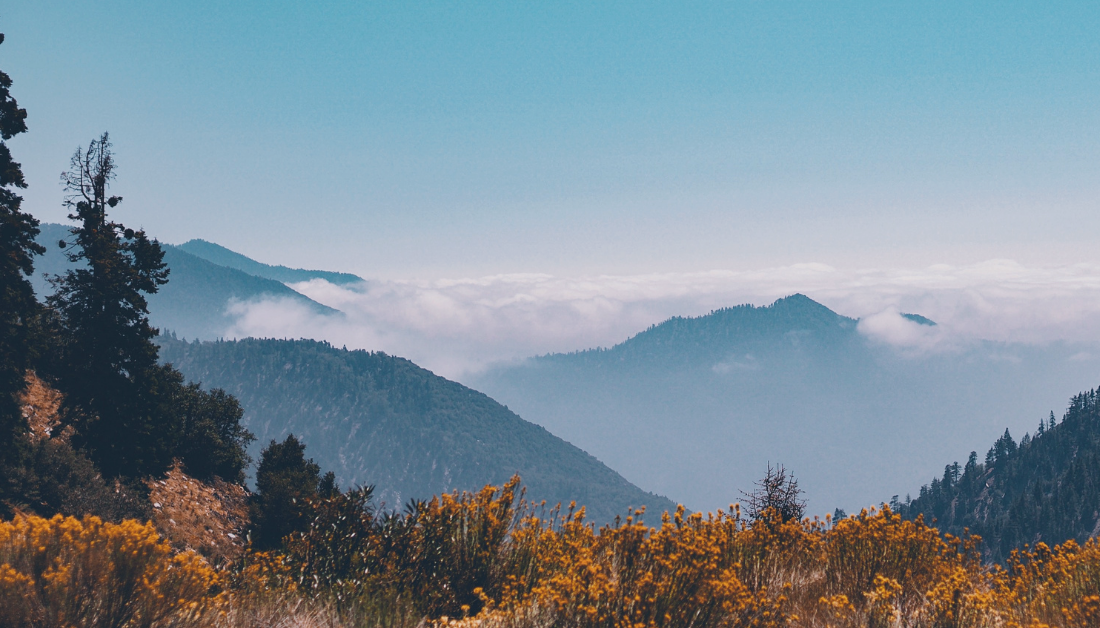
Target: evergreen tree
17, 250
1045, 488
132, 415
285, 483
971, 464
108, 366
212, 441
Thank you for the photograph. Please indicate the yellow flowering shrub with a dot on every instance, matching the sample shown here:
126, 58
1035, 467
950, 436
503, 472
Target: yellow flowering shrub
84, 572
890, 569
490, 559
1053, 587
629, 575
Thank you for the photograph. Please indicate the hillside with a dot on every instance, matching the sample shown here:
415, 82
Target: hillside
795, 323
1046, 488
377, 419
194, 302
793, 383
222, 256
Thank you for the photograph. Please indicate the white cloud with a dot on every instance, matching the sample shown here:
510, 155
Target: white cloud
456, 325
890, 327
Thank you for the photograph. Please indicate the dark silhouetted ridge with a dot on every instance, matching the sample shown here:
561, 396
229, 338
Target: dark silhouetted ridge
797, 321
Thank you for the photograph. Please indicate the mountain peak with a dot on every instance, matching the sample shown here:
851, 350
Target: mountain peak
790, 313
803, 305
723, 329
796, 300
918, 319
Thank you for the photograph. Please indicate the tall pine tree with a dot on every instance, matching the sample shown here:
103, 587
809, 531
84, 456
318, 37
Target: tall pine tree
17, 250
131, 415
108, 368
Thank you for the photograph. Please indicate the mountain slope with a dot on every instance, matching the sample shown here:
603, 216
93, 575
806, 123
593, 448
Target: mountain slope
795, 322
231, 259
377, 419
195, 301
698, 407
1046, 488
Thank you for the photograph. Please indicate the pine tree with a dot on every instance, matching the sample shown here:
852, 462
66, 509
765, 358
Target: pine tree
108, 369
285, 483
1043, 489
212, 442
132, 415
17, 250
971, 464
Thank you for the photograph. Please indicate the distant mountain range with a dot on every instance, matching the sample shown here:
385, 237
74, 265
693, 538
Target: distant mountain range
698, 407
195, 302
694, 408
377, 419
222, 256
369, 417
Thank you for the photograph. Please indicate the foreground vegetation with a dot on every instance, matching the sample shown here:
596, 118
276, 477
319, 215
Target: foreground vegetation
492, 559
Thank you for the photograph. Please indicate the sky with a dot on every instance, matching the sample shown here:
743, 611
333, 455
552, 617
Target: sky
421, 143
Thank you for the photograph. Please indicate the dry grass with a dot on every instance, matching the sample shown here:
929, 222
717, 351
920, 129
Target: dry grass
209, 518
41, 405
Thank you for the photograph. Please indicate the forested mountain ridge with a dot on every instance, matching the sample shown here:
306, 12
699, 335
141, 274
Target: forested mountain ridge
378, 419
797, 321
195, 302
792, 382
1046, 488
222, 256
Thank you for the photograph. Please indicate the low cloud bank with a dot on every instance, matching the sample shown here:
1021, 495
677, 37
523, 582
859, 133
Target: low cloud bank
455, 326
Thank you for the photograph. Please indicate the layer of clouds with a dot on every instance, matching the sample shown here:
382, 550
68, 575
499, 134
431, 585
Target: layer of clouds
893, 328
455, 326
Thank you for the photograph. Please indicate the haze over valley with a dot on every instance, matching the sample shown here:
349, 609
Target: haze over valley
829, 395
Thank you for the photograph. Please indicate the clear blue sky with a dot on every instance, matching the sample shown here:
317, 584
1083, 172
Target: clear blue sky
449, 139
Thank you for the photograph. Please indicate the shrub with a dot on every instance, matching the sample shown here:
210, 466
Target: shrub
84, 572
1059, 587
56, 479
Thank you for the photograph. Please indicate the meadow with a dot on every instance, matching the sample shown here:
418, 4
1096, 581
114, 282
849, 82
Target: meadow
493, 559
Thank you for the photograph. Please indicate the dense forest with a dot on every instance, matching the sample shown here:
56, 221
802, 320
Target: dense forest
377, 419
1046, 488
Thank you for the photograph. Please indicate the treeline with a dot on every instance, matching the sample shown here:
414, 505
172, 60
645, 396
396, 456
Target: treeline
1046, 488
123, 416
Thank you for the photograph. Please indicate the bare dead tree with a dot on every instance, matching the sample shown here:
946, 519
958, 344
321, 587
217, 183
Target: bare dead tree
777, 493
